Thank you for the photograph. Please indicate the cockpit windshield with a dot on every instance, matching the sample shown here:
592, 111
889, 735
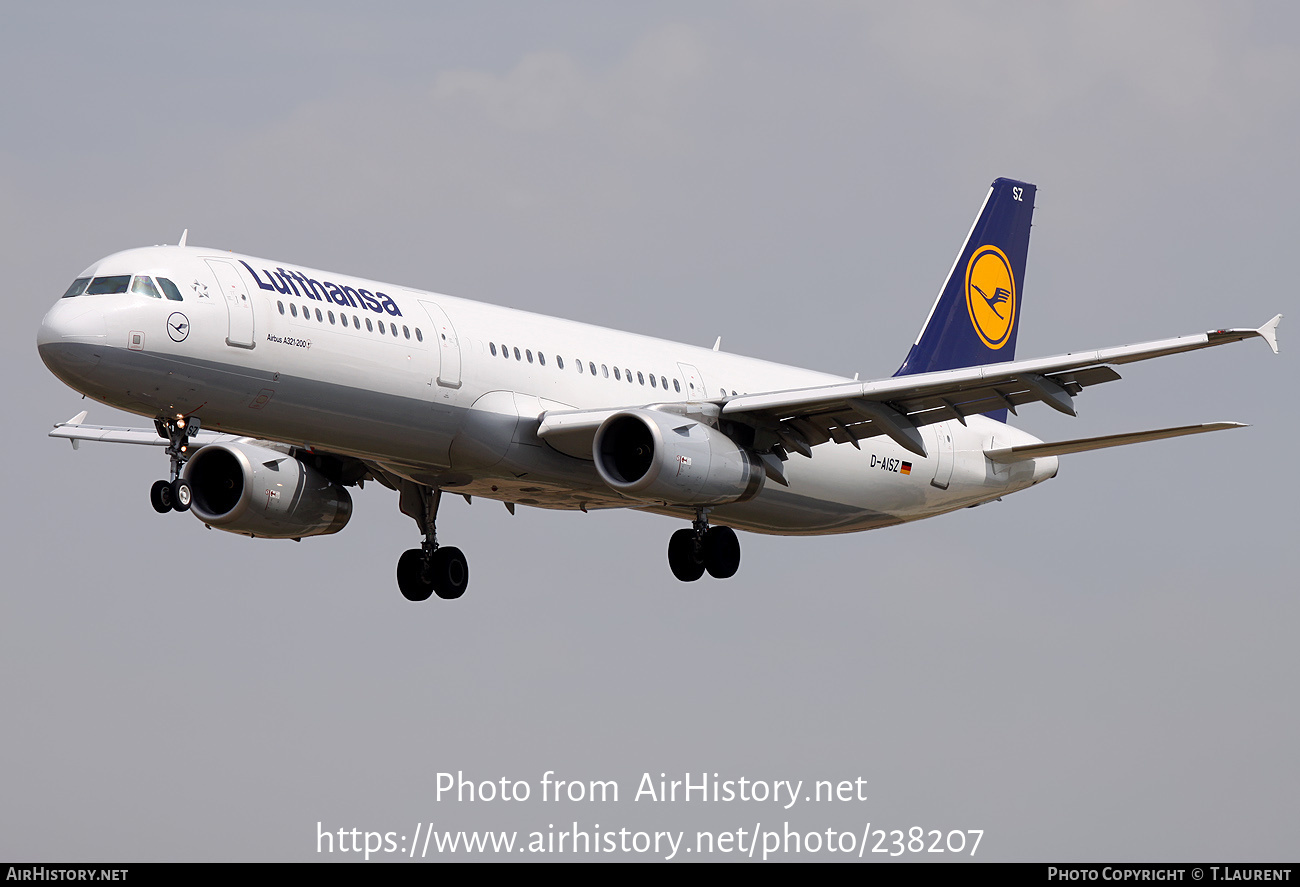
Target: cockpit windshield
121, 283
78, 287
106, 286
170, 289
144, 286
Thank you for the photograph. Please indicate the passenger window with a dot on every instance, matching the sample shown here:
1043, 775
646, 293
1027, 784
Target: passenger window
293, 309
591, 365
530, 355
343, 318
355, 322
419, 335
143, 286
677, 386
406, 331
331, 316
605, 370
109, 286
78, 287
663, 382
541, 358
370, 327
381, 328
170, 289
640, 378
392, 328
281, 307
652, 380
505, 352
617, 377
559, 362
320, 317
628, 373
579, 367
517, 357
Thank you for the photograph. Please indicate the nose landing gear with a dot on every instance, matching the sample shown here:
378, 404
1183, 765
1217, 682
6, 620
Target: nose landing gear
174, 494
715, 549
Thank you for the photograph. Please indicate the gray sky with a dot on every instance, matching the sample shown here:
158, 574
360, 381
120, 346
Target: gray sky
1102, 668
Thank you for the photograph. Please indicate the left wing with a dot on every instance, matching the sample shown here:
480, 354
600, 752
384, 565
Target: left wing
75, 431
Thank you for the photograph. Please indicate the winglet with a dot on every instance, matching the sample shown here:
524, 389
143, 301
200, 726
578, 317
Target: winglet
75, 420
1269, 332
184, 235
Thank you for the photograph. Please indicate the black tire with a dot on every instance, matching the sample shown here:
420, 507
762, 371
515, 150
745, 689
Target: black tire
182, 494
682, 558
450, 573
160, 496
411, 576
721, 552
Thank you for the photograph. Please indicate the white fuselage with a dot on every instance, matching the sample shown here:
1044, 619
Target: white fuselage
449, 393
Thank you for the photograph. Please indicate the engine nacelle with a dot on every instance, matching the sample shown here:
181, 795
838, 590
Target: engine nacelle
663, 457
254, 491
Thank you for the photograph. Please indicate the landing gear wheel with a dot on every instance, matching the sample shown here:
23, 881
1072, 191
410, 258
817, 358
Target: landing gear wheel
450, 572
160, 496
683, 558
182, 494
431, 568
411, 576
721, 552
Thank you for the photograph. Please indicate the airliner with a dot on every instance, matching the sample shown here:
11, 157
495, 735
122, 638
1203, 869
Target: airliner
274, 388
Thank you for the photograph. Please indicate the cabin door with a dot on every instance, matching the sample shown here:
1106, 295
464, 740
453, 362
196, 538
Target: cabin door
238, 305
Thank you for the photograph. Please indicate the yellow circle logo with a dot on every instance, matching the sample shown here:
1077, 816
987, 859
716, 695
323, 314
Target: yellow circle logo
991, 296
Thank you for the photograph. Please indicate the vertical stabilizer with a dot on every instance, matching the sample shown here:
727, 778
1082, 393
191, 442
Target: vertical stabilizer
975, 319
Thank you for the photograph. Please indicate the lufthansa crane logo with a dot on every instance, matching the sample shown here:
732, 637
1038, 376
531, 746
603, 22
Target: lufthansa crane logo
991, 296
178, 326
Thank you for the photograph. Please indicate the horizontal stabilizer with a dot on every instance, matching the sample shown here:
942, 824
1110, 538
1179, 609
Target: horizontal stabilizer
1061, 448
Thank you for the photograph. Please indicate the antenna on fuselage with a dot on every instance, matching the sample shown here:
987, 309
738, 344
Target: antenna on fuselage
184, 234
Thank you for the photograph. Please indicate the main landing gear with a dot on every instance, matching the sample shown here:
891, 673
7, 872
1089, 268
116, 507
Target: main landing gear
715, 549
174, 494
430, 569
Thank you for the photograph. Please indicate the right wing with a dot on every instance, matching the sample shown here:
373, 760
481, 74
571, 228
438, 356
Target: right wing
851, 411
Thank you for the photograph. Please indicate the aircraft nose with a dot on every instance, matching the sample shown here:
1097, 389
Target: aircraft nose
72, 336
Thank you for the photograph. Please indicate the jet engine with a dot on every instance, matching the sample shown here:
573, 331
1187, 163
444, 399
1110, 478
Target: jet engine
663, 457
254, 491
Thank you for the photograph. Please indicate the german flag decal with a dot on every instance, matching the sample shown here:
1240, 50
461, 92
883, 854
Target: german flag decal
907, 468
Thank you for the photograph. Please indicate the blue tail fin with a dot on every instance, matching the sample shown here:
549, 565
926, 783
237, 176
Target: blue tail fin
975, 319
